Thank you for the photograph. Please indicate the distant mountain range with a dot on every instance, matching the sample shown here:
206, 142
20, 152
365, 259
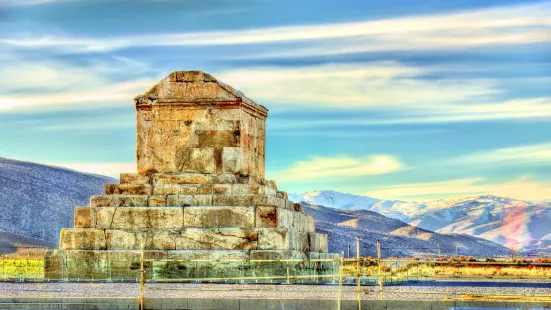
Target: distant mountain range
38, 200
398, 239
520, 225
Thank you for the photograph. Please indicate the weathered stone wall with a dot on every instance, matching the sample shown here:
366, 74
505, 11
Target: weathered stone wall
190, 122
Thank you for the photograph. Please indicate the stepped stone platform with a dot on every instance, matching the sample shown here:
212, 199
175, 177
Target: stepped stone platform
199, 194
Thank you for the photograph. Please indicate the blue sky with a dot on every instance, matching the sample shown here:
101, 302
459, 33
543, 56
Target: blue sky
391, 99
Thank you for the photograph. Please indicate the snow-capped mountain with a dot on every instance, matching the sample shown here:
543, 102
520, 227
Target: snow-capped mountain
38, 200
398, 239
517, 224
333, 199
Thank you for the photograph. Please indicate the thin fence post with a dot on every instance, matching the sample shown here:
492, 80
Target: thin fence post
379, 261
142, 279
288, 281
358, 273
341, 267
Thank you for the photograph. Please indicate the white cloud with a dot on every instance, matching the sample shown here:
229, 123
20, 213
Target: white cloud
108, 169
48, 83
26, 2
524, 187
382, 86
338, 167
494, 26
106, 95
354, 85
537, 154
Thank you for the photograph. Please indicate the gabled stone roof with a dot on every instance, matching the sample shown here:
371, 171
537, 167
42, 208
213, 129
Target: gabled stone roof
193, 87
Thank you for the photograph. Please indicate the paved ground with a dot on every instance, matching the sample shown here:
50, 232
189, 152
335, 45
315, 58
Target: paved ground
417, 291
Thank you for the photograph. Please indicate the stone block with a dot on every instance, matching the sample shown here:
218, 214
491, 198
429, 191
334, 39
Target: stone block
272, 239
84, 217
82, 239
186, 178
281, 194
304, 223
156, 201
128, 189
231, 160
242, 217
289, 205
223, 178
188, 200
182, 189
297, 240
270, 183
248, 179
318, 242
196, 159
247, 200
140, 218
218, 138
133, 240
119, 201
266, 216
134, 178
246, 189
221, 189
217, 239
269, 191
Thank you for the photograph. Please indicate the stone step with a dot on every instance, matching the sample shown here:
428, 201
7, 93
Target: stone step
128, 189
125, 264
192, 189
185, 239
193, 178
245, 200
191, 217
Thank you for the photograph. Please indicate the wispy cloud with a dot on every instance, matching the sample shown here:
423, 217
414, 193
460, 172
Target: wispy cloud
383, 86
27, 2
48, 83
494, 26
534, 154
357, 84
338, 167
524, 187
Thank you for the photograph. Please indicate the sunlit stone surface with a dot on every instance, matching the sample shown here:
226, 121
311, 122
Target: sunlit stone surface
199, 193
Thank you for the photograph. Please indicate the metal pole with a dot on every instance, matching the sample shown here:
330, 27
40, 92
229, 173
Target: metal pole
340, 280
142, 279
288, 281
379, 263
358, 273
348, 253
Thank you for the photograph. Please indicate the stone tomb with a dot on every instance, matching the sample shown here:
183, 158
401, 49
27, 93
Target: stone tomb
199, 194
